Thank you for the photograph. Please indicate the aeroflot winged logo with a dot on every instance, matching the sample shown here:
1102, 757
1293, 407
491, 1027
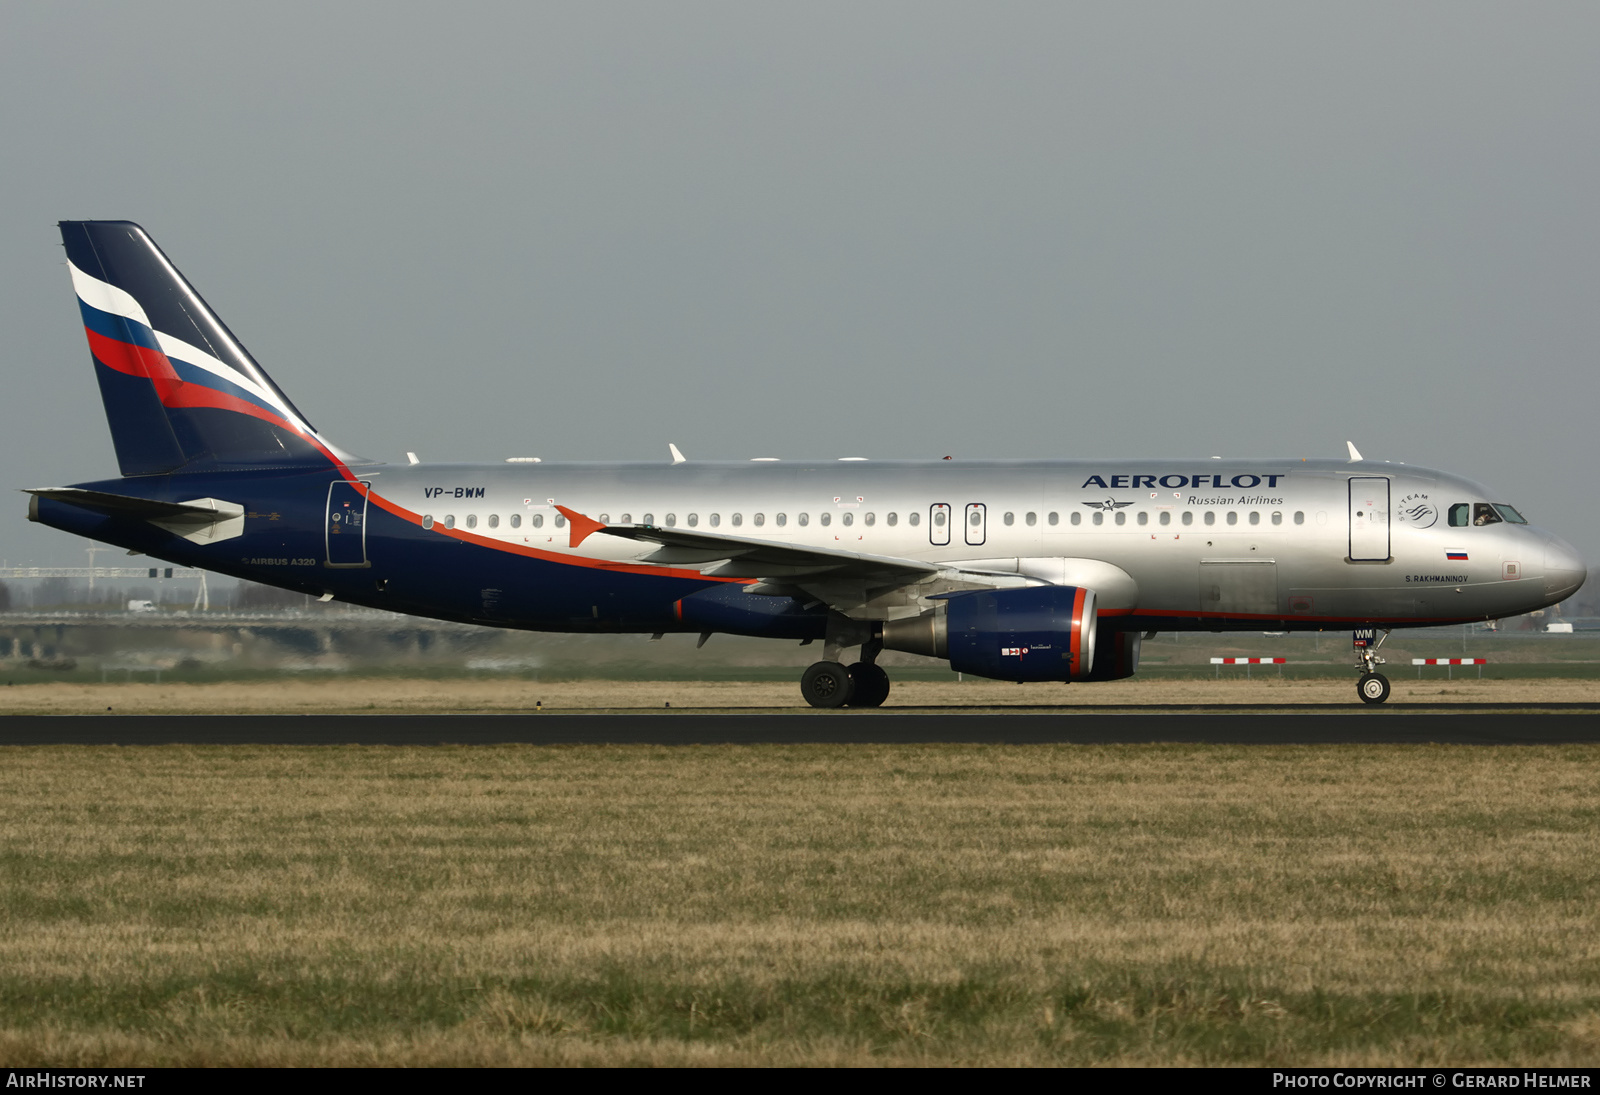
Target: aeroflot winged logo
1107, 504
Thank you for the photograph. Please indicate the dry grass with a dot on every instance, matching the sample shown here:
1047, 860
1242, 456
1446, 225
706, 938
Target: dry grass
779, 905
498, 694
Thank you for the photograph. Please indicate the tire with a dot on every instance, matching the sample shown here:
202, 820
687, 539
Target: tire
869, 685
1373, 688
826, 684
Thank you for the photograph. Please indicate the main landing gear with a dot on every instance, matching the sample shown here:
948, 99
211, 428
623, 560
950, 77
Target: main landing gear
831, 684
1373, 687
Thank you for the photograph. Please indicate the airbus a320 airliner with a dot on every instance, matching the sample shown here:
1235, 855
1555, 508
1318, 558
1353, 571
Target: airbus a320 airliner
1018, 571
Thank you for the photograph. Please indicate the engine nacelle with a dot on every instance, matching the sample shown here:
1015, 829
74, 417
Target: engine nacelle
1039, 633
1116, 656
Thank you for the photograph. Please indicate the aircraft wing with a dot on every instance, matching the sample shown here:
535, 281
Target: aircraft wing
852, 582
748, 557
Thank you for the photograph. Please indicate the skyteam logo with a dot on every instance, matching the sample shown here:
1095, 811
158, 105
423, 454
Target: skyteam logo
1417, 510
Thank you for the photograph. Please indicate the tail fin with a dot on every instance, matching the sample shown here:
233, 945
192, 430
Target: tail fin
180, 391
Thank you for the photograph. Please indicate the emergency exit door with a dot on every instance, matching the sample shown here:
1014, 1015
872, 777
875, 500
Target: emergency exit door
976, 523
346, 524
1369, 518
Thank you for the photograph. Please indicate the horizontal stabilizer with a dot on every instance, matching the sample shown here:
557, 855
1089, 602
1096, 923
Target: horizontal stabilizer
202, 520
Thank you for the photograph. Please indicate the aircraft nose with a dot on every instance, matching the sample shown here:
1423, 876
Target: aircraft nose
1564, 569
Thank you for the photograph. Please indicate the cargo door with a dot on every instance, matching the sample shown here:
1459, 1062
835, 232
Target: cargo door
346, 524
1242, 588
1369, 518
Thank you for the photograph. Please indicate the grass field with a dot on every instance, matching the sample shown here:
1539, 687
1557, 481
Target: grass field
779, 905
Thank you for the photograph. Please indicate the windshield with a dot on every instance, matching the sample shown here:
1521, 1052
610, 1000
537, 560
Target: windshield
1510, 514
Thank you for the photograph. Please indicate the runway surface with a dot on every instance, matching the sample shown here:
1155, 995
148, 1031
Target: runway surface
1566, 724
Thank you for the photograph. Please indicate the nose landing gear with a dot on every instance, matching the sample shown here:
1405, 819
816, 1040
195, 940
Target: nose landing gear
1372, 687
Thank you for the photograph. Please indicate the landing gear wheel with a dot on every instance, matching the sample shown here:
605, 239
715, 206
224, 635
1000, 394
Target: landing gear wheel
826, 684
1373, 688
870, 685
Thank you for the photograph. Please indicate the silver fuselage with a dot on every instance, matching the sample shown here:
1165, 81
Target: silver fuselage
1180, 543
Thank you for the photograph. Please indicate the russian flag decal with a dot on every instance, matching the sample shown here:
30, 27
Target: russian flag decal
1455, 553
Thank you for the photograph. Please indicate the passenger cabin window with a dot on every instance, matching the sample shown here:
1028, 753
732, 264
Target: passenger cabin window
427, 520
1233, 518
1277, 518
871, 519
1010, 518
561, 522
804, 519
716, 520
516, 520
1166, 517
625, 519
894, 519
1255, 518
494, 520
1099, 517
760, 519
1144, 518
648, 519
938, 518
1032, 519
537, 520
694, 520
849, 518
827, 518
1211, 516
783, 519
1077, 518
1054, 518
1299, 516
1510, 514
913, 518
1188, 517
449, 520
472, 520
1122, 518
1483, 514
738, 520
672, 520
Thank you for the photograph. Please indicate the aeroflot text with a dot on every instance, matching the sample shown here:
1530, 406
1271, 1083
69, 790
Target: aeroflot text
1423, 1079
1212, 482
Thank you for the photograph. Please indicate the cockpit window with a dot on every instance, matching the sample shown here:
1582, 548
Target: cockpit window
1510, 513
1483, 514
1461, 515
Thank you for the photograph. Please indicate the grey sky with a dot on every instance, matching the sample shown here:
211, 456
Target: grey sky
816, 230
